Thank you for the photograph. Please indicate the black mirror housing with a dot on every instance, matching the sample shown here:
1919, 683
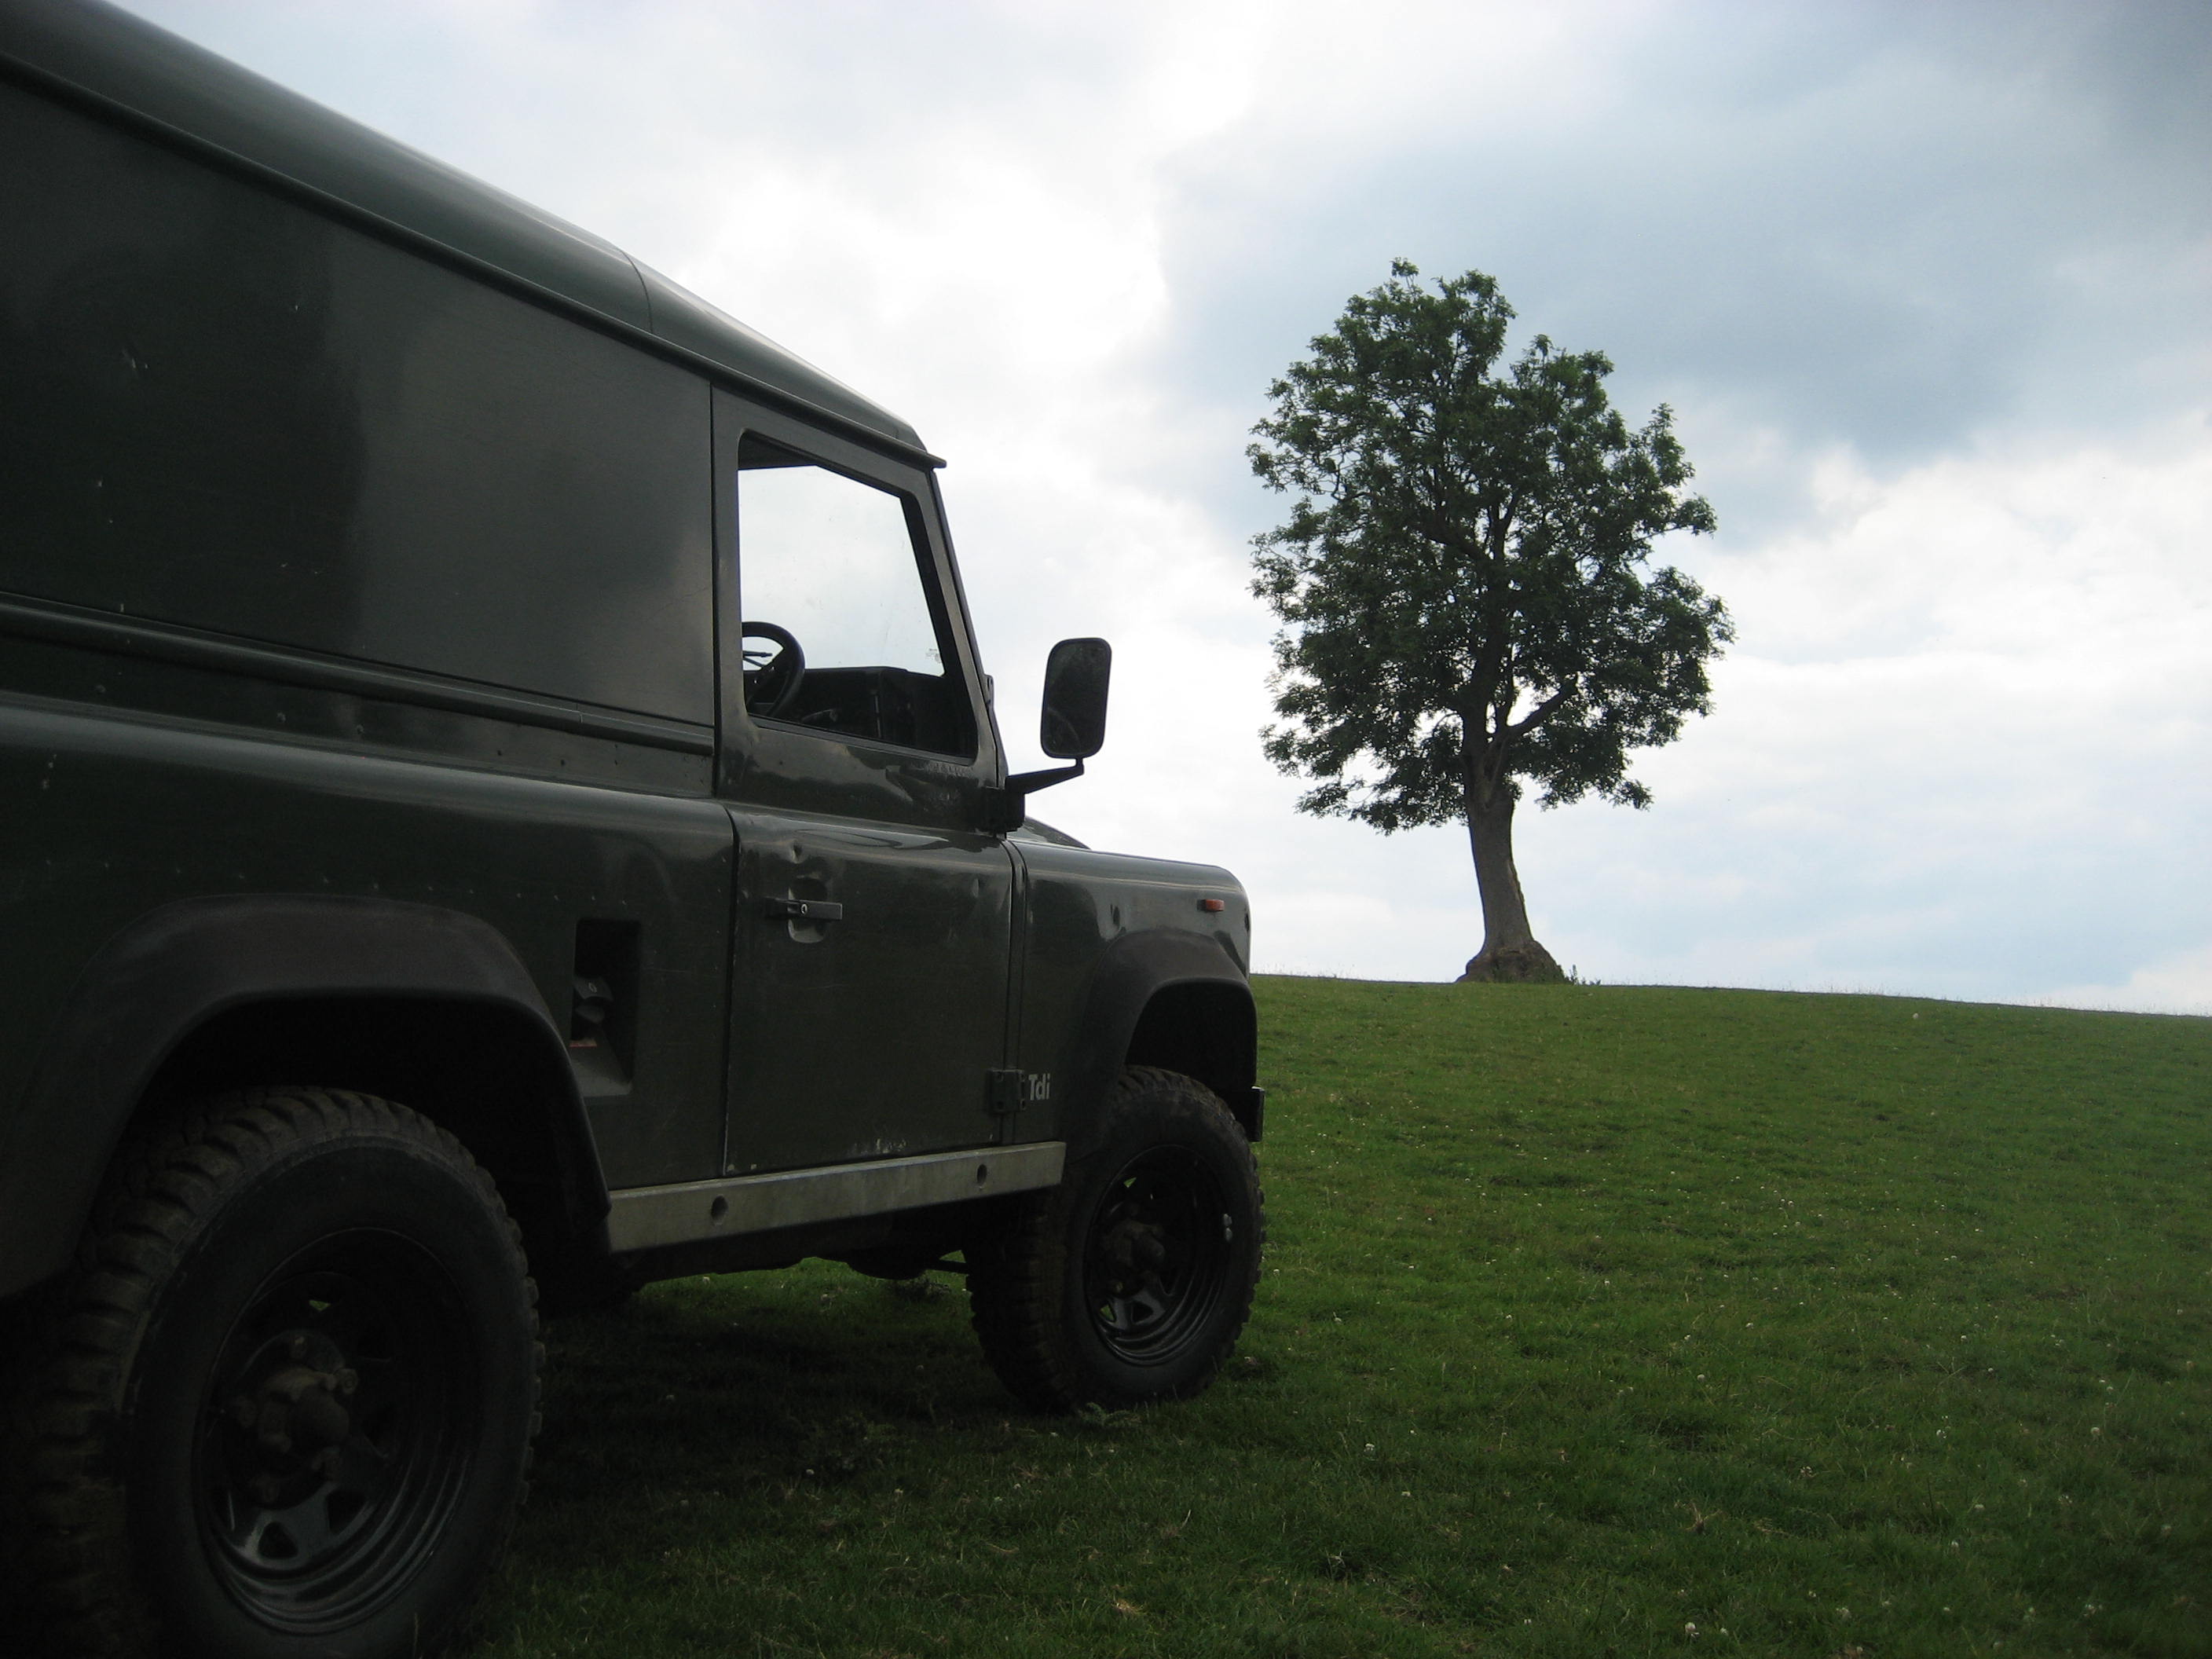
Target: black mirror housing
1073, 726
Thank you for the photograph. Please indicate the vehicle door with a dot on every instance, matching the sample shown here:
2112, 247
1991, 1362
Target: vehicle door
874, 916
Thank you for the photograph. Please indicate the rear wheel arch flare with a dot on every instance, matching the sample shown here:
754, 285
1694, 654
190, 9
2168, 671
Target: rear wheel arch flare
181, 998
481, 1069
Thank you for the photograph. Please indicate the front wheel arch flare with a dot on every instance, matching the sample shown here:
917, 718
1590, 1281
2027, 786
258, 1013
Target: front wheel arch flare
1207, 1029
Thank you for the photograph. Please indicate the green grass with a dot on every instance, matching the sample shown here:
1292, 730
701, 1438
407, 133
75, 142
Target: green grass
1591, 1314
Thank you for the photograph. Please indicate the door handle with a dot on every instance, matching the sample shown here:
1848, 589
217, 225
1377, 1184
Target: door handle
799, 909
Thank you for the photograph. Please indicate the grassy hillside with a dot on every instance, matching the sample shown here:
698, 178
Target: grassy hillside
1597, 1320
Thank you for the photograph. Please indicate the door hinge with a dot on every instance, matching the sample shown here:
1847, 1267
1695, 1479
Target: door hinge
1012, 1089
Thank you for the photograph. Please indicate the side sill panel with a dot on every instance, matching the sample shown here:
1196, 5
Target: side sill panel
645, 1217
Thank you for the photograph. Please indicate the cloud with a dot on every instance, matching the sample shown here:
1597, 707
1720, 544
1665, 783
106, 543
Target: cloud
1927, 286
2180, 984
1836, 225
1959, 746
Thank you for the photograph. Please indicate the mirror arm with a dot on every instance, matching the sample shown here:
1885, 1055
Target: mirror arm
1028, 783
1005, 810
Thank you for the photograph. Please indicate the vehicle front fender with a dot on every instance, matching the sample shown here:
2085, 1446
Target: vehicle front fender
1167, 998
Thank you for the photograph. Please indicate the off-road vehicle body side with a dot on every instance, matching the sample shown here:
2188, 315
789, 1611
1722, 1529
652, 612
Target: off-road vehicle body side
392, 780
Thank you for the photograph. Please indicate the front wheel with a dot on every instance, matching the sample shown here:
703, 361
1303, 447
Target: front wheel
1131, 1281
287, 1405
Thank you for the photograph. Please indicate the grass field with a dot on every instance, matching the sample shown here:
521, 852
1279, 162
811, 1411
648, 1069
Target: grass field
1597, 1320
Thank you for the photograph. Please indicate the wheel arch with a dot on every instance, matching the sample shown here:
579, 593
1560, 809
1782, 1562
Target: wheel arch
427, 1007
1175, 1001
1206, 1029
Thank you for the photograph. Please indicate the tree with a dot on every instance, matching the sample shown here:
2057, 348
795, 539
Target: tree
1463, 581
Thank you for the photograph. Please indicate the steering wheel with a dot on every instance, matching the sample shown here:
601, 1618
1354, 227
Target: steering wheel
772, 677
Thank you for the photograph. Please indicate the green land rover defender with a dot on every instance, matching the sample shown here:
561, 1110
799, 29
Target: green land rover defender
499, 800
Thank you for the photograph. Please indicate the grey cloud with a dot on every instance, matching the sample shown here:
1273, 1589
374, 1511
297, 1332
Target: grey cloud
1888, 229
1898, 228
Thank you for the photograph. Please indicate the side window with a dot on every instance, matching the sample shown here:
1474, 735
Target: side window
844, 633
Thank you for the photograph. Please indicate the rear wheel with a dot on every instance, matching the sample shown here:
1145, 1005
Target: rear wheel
289, 1397
1131, 1281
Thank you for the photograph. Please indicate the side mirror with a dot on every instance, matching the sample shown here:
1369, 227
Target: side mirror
1073, 727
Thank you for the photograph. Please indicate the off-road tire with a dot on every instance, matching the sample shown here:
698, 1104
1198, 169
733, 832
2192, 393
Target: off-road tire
283, 1404
1131, 1281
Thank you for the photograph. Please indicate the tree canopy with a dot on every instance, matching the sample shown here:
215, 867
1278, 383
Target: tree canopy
1463, 579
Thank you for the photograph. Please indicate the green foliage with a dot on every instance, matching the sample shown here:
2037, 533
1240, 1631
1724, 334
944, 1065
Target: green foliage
1461, 572
1818, 1323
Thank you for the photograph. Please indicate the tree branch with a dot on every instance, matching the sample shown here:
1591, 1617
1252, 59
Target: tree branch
1536, 716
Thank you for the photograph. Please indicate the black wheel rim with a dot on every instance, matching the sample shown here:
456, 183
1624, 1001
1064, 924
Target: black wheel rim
1156, 1259
338, 1432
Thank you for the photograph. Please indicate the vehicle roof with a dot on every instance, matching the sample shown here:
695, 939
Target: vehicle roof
120, 61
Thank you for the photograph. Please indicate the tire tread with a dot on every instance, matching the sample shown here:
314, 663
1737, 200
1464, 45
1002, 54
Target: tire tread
166, 1184
1017, 1280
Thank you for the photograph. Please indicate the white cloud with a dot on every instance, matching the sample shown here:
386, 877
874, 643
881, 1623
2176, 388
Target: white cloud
1927, 299
1960, 746
2180, 984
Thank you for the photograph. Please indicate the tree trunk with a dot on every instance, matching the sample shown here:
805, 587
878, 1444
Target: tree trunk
1510, 952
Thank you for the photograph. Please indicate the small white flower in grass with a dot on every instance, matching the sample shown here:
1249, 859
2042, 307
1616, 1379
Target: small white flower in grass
1690, 1631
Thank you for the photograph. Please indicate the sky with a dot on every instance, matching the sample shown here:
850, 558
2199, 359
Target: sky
1929, 289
